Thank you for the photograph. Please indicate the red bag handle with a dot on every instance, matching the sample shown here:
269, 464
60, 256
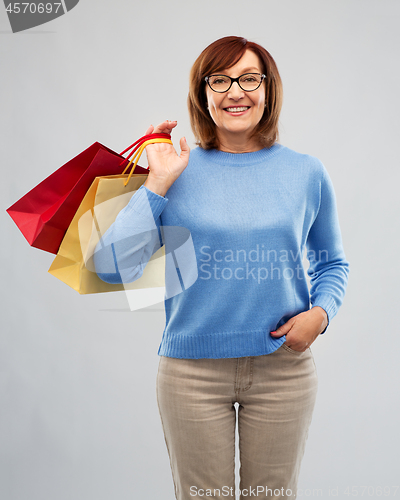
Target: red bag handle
136, 145
139, 152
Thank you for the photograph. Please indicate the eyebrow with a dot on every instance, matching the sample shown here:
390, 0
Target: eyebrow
247, 70
244, 71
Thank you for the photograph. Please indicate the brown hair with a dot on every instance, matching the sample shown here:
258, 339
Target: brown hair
223, 54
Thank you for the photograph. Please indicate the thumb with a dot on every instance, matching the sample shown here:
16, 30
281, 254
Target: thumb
185, 150
284, 329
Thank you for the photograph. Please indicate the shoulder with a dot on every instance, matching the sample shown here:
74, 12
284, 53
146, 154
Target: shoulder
197, 156
196, 153
309, 167
304, 160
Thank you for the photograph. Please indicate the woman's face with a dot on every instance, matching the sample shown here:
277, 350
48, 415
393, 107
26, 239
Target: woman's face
237, 112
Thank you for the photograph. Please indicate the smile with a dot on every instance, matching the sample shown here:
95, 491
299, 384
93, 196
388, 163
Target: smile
240, 109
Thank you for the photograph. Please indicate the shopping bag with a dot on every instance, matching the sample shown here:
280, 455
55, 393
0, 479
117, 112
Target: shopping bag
106, 197
44, 213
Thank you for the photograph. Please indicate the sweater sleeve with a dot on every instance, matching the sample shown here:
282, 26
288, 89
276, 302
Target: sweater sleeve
124, 250
328, 268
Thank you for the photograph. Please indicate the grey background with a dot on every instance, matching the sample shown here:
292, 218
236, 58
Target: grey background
78, 414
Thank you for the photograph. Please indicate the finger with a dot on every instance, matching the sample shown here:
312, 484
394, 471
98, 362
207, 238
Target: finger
284, 329
169, 125
149, 130
297, 341
185, 150
277, 334
165, 127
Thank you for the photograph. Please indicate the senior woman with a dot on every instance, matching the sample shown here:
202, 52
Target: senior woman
241, 331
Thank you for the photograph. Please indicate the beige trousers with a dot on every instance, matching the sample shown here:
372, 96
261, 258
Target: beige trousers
276, 396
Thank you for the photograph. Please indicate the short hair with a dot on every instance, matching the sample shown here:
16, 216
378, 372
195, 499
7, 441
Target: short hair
223, 54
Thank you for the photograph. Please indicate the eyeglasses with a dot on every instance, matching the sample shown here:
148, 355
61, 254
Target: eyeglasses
247, 82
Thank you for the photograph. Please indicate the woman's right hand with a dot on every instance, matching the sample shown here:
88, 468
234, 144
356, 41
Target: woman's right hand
164, 163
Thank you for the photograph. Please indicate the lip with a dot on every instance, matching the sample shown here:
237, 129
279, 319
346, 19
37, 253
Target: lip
236, 114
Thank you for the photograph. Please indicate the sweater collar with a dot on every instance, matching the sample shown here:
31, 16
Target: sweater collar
239, 159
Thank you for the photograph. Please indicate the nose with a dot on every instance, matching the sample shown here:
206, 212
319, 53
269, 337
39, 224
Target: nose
235, 92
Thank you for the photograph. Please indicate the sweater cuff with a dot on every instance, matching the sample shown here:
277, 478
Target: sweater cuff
327, 303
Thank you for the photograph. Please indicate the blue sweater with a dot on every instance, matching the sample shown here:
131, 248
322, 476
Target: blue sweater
235, 229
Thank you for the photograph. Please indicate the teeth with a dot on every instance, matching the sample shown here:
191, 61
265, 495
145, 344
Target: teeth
236, 110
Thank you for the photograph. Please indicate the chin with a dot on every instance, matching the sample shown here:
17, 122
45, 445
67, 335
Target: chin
239, 130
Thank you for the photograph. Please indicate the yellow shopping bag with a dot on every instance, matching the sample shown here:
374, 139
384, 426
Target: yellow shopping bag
106, 197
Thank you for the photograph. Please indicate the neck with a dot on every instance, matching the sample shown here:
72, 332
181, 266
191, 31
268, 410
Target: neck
238, 143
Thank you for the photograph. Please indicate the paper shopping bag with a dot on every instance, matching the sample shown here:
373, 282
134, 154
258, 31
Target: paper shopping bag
73, 264
106, 197
44, 213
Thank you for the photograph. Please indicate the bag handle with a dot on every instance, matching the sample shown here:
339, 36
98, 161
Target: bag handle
141, 140
139, 152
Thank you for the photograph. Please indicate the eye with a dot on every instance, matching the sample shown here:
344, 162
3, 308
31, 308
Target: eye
249, 78
218, 80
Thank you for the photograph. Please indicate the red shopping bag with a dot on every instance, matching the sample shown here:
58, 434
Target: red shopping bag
44, 214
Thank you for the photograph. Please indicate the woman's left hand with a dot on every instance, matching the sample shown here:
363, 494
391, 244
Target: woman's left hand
303, 329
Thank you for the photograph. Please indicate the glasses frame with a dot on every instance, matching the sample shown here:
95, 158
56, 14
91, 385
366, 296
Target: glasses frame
234, 80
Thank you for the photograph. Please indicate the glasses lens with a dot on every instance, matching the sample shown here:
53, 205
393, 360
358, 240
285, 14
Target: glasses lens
250, 81
219, 83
